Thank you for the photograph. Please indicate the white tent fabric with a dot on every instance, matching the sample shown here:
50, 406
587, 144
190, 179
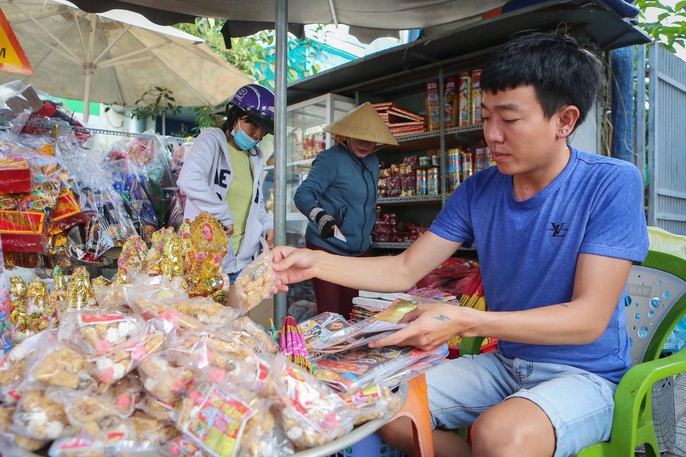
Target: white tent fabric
115, 57
376, 14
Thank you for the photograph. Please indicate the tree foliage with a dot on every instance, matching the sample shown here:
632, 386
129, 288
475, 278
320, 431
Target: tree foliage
669, 27
254, 55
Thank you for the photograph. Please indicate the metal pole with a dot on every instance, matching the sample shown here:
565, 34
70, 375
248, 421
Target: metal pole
280, 305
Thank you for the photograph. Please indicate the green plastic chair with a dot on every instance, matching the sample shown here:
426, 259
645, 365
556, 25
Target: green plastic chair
656, 302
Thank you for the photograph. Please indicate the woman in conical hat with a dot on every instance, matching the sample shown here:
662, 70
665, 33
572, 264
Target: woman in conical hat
339, 197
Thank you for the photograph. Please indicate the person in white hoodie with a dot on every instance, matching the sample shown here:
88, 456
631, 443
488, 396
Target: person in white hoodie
222, 174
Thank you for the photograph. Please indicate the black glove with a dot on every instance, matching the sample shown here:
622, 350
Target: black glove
324, 221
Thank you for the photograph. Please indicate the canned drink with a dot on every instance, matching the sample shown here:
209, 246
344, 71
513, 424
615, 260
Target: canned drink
432, 182
467, 165
464, 97
476, 116
421, 181
454, 169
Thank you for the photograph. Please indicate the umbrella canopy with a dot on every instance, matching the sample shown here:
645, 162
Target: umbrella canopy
367, 17
115, 57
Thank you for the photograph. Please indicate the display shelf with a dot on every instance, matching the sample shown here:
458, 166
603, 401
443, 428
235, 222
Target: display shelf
466, 130
417, 199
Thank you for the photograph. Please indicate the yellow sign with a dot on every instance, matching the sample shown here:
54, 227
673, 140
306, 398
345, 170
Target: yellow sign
12, 57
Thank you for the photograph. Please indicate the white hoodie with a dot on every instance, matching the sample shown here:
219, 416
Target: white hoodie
205, 178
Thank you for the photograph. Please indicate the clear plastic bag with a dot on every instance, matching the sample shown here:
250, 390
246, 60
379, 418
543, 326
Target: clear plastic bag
311, 413
256, 281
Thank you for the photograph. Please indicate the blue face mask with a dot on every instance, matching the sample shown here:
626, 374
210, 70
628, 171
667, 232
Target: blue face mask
242, 139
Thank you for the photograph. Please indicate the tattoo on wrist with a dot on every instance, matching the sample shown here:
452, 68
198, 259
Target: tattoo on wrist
441, 317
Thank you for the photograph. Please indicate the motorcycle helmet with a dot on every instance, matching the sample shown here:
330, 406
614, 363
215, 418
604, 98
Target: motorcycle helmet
257, 102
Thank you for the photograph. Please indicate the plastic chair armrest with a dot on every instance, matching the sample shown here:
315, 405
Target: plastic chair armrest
471, 345
631, 395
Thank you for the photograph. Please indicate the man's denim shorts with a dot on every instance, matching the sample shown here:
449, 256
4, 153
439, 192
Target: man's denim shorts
579, 404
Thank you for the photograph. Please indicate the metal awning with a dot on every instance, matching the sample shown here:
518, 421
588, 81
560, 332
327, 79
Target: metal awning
595, 19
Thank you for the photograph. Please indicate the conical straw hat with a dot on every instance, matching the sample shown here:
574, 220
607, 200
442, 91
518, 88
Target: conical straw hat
363, 123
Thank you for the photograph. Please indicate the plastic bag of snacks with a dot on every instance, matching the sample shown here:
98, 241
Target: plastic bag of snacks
92, 414
311, 413
59, 365
227, 421
39, 417
87, 446
256, 281
370, 402
95, 332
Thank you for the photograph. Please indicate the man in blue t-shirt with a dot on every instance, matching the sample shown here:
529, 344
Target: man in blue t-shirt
556, 231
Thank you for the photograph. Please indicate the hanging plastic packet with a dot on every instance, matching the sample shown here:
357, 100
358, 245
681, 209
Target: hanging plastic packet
128, 180
256, 281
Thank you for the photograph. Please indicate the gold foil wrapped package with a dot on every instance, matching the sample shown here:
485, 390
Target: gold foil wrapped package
184, 233
131, 259
80, 293
208, 243
57, 243
164, 257
208, 235
37, 307
100, 281
58, 294
18, 295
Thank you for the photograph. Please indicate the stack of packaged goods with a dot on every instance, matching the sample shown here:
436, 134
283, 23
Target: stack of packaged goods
60, 205
462, 163
155, 361
399, 120
388, 229
461, 101
369, 303
343, 360
399, 179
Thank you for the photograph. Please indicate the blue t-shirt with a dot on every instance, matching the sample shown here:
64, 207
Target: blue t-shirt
528, 250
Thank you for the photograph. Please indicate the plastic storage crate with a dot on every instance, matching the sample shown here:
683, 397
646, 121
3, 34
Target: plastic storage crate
371, 446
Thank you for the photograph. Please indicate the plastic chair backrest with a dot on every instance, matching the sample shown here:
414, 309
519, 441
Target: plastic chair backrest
651, 295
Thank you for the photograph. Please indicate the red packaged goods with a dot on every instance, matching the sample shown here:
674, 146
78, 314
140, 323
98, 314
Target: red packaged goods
15, 175
464, 99
22, 231
476, 97
432, 105
450, 111
67, 213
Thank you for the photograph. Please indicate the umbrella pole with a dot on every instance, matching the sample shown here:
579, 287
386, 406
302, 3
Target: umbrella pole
86, 95
89, 68
280, 140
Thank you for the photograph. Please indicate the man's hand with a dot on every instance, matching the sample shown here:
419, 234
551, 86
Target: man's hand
428, 326
228, 229
293, 265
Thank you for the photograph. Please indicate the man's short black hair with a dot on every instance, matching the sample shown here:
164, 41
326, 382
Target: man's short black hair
560, 71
